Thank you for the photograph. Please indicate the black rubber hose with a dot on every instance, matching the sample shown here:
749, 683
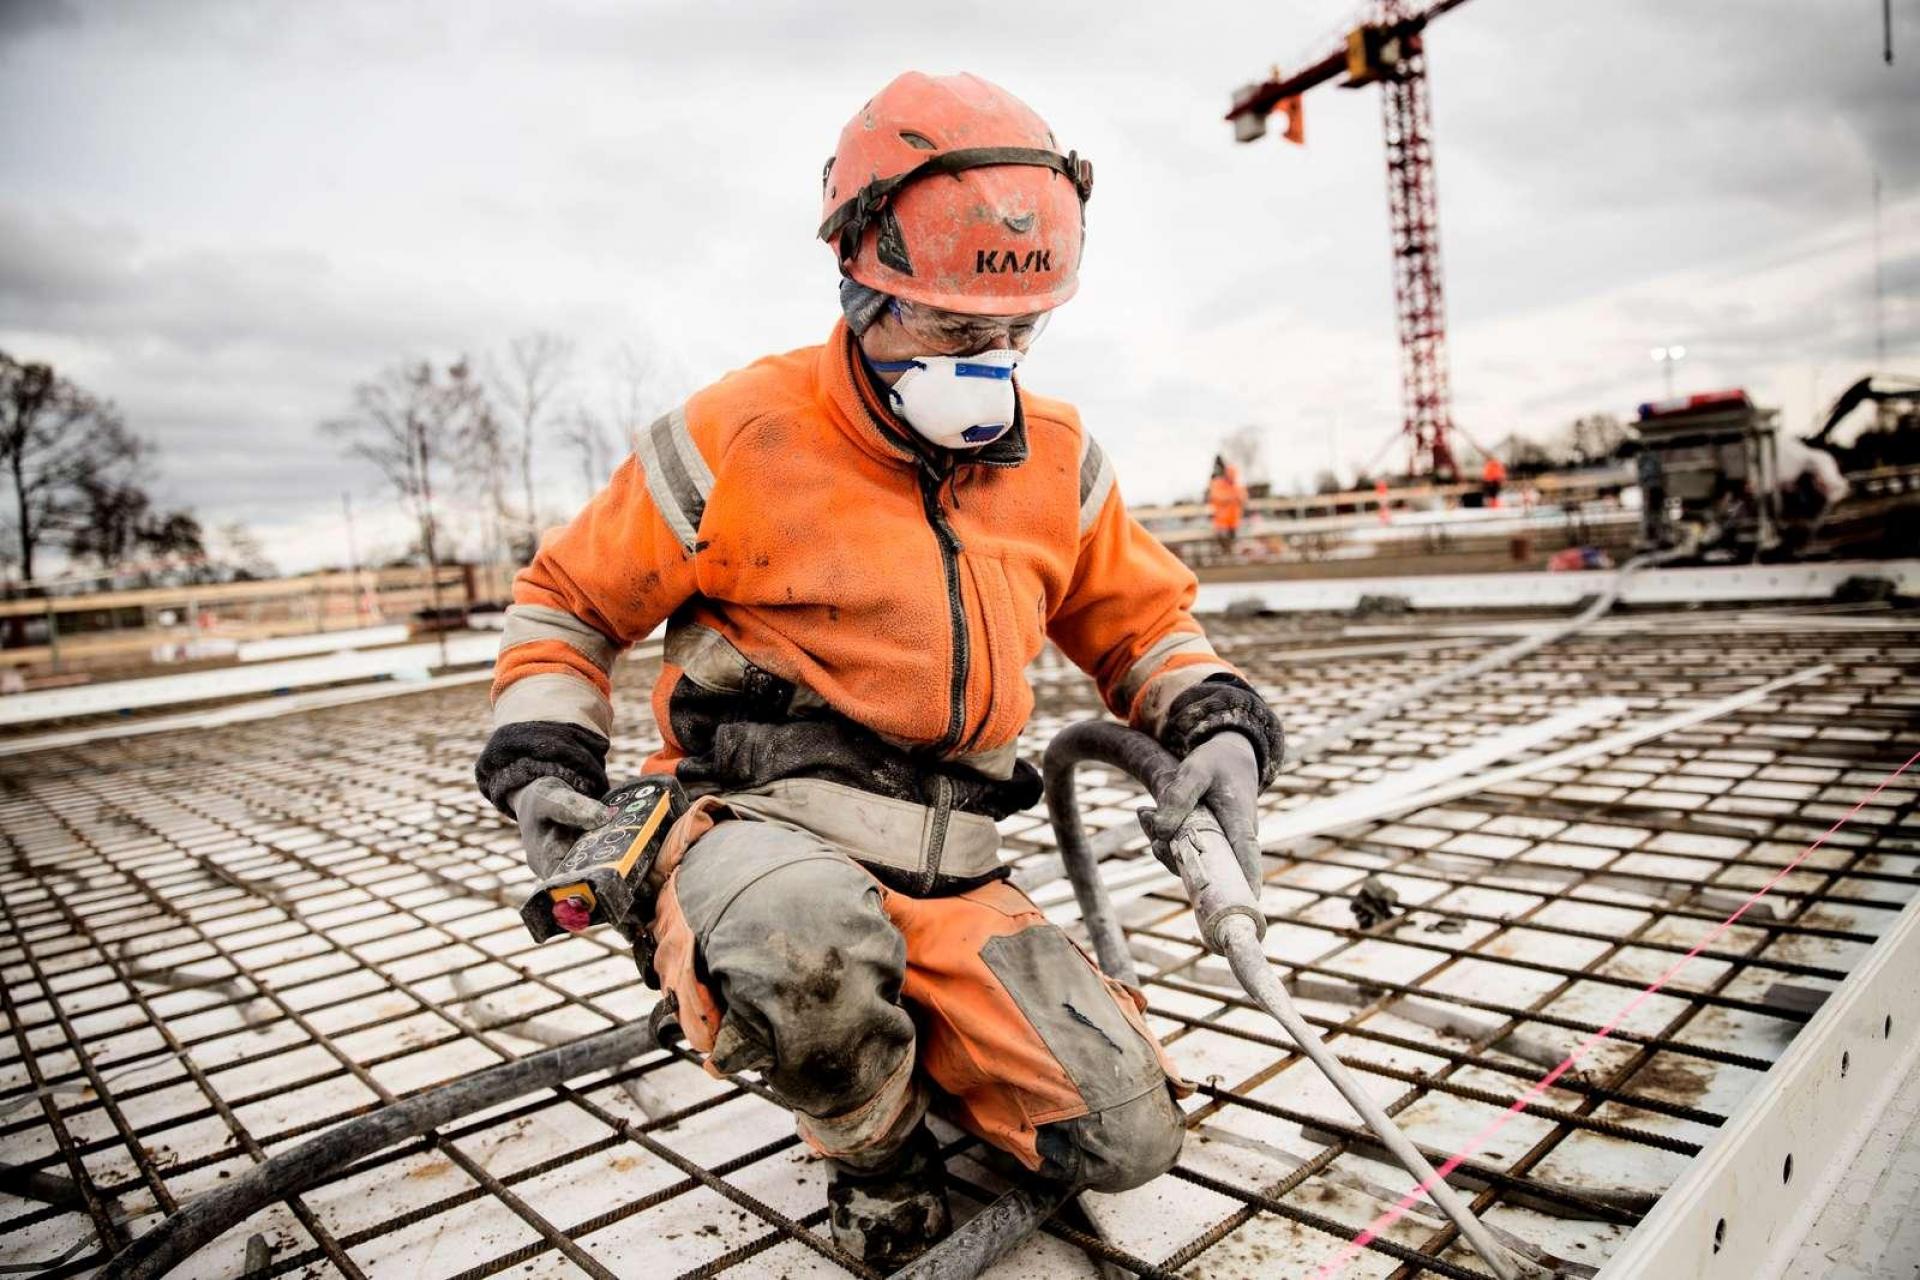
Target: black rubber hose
36, 1184
209, 1216
1133, 753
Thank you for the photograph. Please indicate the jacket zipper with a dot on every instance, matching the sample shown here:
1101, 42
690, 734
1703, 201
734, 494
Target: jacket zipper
957, 693
986, 717
956, 610
950, 549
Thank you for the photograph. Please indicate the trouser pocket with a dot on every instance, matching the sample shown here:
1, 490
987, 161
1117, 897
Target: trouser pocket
1076, 1015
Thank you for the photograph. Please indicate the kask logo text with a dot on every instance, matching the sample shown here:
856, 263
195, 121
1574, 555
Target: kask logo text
1005, 261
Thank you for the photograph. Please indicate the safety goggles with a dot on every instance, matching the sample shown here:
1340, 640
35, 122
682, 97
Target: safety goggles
950, 333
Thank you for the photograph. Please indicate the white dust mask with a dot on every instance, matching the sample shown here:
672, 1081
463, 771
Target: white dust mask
957, 402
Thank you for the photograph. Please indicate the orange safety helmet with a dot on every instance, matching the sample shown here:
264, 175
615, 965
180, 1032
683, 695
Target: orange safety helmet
947, 191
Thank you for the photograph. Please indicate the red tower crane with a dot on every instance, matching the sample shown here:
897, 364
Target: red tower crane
1385, 48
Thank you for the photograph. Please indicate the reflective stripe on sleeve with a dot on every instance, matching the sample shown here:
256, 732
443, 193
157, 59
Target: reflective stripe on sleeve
1096, 481
677, 476
527, 623
1172, 645
554, 698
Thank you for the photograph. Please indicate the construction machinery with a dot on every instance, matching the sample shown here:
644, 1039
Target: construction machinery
1719, 482
1709, 476
1385, 47
1893, 398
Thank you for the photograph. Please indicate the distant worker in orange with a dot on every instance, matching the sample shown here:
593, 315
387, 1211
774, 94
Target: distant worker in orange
1493, 479
1226, 500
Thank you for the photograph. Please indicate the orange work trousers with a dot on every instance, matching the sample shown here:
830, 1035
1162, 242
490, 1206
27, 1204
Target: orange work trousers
864, 1007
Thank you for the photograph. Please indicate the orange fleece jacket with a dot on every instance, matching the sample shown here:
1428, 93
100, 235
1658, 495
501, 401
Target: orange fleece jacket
783, 507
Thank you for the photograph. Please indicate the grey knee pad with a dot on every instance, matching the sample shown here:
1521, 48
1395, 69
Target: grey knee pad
1119, 1148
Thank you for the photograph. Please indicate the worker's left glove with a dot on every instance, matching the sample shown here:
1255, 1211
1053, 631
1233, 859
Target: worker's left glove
568, 765
1230, 747
1224, 774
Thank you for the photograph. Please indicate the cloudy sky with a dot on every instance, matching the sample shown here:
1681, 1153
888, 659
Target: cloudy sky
223, 215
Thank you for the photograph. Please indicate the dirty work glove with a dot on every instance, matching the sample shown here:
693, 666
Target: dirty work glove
552, 815
1223, 772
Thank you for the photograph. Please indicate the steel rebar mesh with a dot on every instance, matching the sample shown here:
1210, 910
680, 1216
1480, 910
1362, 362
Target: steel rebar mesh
220, 944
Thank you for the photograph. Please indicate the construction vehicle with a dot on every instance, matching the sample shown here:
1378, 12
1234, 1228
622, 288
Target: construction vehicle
1719, 482
1891, 440
1709, 477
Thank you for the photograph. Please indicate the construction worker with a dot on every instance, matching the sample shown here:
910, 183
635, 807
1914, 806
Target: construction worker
857, 548
1226, 499
1493, 480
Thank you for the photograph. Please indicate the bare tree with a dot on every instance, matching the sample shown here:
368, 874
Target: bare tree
108, 512
637, 398
53, 436
537, 368
176, 536
1523, 455
117, 527
241, 555
482, 464
408, 422
1594, 437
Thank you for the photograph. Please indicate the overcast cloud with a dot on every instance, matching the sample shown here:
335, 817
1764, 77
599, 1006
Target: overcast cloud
222, 215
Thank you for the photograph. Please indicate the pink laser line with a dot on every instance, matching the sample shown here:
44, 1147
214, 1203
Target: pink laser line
1339, 1262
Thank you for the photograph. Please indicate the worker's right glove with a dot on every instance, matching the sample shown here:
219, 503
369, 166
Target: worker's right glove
570, 759
552, 815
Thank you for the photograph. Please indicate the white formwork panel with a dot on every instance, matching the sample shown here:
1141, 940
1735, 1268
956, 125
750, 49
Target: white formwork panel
1744, 1205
